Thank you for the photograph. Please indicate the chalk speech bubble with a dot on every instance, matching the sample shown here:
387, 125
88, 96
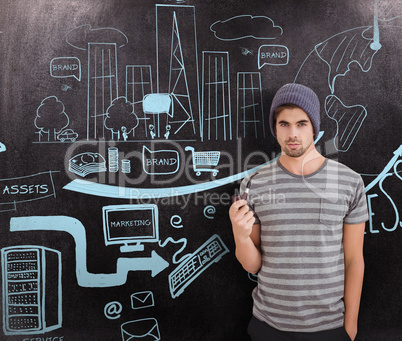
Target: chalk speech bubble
64, 67
273, 55
157, 104
160, 161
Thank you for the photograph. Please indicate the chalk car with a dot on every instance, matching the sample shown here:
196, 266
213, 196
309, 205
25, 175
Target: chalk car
67, 134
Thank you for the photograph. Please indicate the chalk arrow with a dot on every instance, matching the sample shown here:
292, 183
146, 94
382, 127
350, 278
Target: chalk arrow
155, 263
387, 168
73, 226
121, 192
398, 152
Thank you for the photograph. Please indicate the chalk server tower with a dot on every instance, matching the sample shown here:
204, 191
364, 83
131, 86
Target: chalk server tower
31, 289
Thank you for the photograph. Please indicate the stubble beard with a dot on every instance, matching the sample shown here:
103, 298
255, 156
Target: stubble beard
297, 152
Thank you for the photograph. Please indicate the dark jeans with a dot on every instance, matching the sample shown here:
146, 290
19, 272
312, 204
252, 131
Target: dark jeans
260, 331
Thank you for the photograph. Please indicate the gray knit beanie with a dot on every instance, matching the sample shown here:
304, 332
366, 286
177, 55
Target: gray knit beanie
299, 95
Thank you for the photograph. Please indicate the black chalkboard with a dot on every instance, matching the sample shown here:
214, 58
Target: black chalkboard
126, 126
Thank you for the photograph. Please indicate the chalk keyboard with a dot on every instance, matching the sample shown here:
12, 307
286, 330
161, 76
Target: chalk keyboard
207, 254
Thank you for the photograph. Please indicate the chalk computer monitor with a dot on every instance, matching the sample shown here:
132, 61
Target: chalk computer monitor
130, 226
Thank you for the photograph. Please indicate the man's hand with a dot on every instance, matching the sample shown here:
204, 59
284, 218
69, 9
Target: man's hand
242, 220
353, 239
351, 329
247, 236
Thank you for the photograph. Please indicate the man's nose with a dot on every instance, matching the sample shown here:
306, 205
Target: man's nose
293, 132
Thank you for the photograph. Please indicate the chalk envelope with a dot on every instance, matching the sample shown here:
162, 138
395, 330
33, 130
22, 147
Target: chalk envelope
143, 299
144, 329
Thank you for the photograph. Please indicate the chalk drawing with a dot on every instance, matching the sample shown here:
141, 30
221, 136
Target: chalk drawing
74, 227
26, 189
209, 212
87, 163
343, 49
160, 162
92, 188
80, 36
130, 226
120, 118
216, 114
30, 302
142, 329
246, 26
121, 192
158, 105
65, 67
393, 163
176, 221
184, 244
349, 120
250, 110
190, 269
67, 135
274, 55
142, 299
50, 119
203, 161
112, 310
139, 84
178, 84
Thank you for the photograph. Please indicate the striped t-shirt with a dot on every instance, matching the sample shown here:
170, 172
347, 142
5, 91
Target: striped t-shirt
301, 281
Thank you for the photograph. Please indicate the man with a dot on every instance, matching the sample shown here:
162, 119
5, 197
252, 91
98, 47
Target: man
302, 229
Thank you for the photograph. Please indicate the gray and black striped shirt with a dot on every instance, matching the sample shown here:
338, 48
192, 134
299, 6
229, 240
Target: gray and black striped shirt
301, 281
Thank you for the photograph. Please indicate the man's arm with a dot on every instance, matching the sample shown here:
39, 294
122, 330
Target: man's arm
247, 236
353, 236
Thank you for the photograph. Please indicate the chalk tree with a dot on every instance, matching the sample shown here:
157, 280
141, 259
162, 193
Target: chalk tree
120, 118
51, 118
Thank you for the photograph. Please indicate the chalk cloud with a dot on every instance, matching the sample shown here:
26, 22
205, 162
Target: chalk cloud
246, 26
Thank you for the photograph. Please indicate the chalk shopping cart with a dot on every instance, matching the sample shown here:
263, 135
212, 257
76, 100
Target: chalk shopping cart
203, 160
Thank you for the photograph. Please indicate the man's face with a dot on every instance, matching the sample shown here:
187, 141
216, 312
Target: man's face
294, 132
